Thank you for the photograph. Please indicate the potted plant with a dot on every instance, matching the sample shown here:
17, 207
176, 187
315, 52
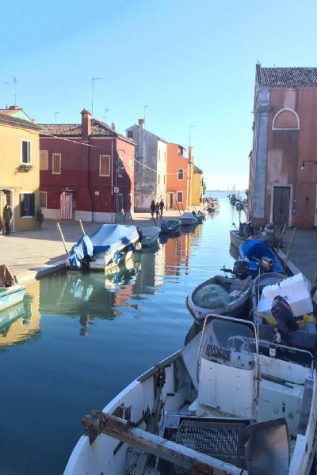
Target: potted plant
39, 216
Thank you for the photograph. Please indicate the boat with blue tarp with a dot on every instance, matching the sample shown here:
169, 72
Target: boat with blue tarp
110, 245
259, 257
171, 227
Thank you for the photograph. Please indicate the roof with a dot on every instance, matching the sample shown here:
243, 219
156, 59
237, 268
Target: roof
98, 129
197, 170
15, 121
148, 132
16, 111
286, 77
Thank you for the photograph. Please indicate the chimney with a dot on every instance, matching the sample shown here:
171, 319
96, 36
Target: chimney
190, 158
141, 123
85, 124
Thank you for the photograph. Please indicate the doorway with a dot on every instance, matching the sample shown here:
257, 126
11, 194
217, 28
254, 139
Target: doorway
66, 205
6, 196
281, 205
170, 200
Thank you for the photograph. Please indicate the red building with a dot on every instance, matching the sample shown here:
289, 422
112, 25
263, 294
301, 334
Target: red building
283, 161
86, 171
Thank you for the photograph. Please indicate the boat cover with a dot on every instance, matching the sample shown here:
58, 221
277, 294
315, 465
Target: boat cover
107, 239
254, 250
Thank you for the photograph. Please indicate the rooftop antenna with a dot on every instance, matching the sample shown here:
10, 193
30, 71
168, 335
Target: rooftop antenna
56, 114
189, 133
14, 79
144, 109
92, 93
6, 93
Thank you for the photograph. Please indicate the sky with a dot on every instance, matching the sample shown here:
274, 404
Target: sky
188, 66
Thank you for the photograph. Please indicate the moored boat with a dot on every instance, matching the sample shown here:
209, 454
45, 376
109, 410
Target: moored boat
222, 295
188, 218
11, 292
149, 235
171, 227
109, 246
224, 410
259, 257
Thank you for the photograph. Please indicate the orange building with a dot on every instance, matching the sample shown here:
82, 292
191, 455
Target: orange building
179, 174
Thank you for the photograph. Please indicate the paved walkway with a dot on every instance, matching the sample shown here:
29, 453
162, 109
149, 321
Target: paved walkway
30, 254
303, 251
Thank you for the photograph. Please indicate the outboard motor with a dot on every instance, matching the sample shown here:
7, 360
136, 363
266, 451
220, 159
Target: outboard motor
266, 264
283, 314
241, 269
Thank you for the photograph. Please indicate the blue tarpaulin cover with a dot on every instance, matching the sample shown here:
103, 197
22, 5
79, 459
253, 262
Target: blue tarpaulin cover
107, 239
253, 250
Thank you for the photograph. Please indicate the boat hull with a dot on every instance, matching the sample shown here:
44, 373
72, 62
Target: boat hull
236, 308
11, 296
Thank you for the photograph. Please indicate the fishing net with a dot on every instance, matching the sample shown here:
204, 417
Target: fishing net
212, 296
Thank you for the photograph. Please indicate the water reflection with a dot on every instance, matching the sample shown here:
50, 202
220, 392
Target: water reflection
22, 321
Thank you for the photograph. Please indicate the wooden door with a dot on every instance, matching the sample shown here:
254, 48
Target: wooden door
281, 205
66, 202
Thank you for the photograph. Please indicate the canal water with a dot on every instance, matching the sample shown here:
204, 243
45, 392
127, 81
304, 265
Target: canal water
78, 339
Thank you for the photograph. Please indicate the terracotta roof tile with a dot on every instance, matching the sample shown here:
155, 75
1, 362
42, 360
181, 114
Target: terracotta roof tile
286, 77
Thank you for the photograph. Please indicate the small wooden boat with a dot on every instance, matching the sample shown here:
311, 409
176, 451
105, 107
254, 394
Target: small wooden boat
222, 295
11, 292
109, 246
149, 235
260, 257
188, 218
171, 227
225, 403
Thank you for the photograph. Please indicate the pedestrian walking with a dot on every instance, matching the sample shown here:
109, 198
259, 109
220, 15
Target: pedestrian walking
161, 207
152, 208
157, 210
7, 218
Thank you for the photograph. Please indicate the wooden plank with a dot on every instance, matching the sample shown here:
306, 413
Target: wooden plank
158, 446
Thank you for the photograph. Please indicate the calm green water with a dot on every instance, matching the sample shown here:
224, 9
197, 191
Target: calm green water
82, 338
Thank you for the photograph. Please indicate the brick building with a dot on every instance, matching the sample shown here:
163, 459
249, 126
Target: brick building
86, 171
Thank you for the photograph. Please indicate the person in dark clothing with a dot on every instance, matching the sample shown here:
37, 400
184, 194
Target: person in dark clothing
161, 207
152, 208
7, 218
157, 210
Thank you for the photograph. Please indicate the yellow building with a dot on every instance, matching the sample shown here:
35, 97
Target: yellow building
197, 186
19, 167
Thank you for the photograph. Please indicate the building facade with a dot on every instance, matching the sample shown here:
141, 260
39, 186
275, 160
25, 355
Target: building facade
86, 170
283, 161
178, 177
150, 166
198, 186
19, 165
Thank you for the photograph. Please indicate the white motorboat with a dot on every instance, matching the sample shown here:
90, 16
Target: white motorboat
228, 403
110, 246
11, 292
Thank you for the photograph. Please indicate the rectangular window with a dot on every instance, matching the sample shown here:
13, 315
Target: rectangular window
43, 199
180, 174
158, 179
179, 197
104, 165
56, 163
44, 160
164, 179
130, 134
26, 152
27, 204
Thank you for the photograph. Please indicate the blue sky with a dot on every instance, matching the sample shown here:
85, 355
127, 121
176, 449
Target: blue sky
192, 62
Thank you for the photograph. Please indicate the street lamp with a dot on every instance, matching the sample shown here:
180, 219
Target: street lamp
307, 161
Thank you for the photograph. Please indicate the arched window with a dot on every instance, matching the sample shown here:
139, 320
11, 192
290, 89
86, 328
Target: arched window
286, 119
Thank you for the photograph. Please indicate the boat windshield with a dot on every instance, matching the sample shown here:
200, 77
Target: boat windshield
229, 341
